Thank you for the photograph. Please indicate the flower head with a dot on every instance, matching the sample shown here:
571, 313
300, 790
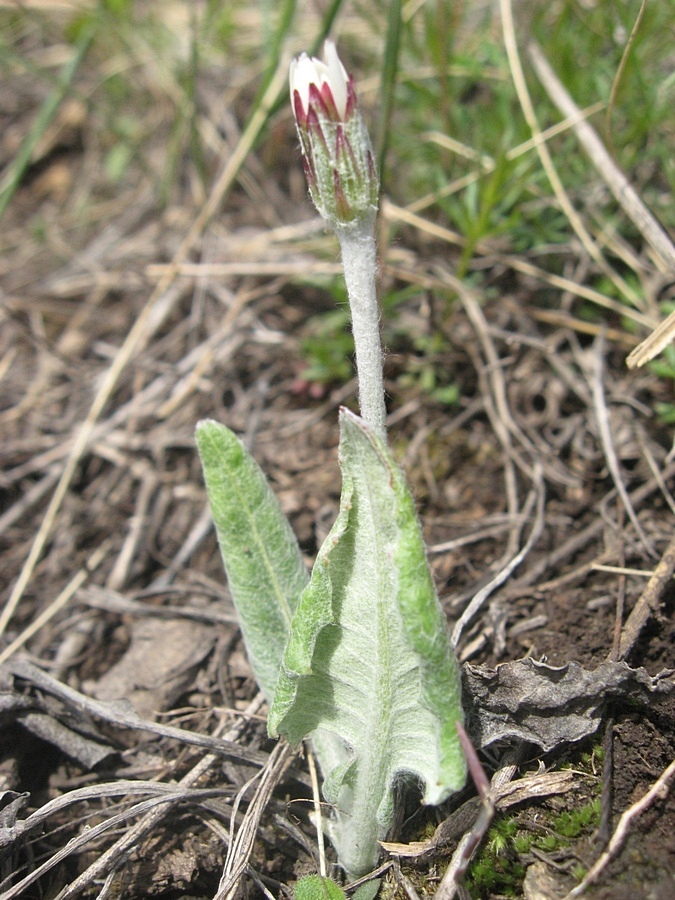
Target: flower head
336, 149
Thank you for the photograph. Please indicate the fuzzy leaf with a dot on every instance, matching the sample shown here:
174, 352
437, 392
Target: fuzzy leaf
314, 887
368, 670
262, 559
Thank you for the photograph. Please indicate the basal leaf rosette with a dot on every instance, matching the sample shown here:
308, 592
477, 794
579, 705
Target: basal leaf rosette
336, 148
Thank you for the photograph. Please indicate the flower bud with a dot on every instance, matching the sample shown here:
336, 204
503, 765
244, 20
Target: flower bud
337, 153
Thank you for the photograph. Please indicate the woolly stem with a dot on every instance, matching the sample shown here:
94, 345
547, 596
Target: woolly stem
359, 260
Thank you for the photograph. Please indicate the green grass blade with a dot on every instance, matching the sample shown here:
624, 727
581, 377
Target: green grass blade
326, 25
389, 75
285, 12
45, 115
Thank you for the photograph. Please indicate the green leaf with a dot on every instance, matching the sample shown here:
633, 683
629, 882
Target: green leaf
264, 566
368, 670
368, 890
314, 887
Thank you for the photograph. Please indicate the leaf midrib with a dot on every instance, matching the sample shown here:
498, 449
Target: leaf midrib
250, 516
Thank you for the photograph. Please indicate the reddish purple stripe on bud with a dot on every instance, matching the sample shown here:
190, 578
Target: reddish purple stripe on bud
298, 110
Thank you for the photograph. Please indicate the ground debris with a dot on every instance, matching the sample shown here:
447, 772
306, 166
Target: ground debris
158, 666
79, 709
45, 718
551, 705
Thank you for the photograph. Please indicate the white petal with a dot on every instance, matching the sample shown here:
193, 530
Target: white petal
292, 78
336, 76
305, 71
302, 74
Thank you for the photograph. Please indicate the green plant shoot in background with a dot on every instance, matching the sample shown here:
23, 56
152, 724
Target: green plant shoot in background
356, 657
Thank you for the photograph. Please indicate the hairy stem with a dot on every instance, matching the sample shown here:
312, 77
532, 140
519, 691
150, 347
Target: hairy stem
359, 260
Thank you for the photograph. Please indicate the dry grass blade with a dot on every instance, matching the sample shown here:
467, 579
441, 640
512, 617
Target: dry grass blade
32, 497
318, 818
624, 192
518, 264
547, 161
118, 788
109, 861
90, 835
59, 602
583, 538
652, 345
106, 599
147, 322
241, 846
602, 419
512, 564
506, 429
